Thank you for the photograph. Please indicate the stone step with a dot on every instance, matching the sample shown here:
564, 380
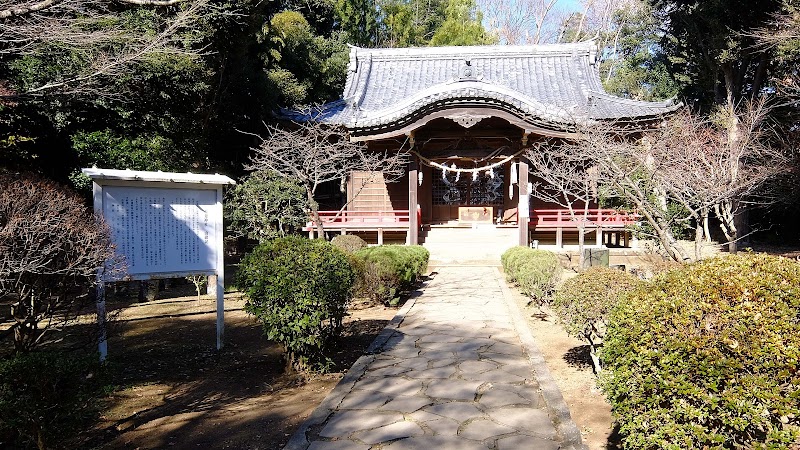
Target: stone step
467, 252
469, 235
481, 245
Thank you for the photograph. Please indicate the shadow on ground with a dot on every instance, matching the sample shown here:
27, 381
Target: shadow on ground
175, 390
579, 357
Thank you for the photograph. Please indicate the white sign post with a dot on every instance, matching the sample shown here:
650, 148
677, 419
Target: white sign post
165, 225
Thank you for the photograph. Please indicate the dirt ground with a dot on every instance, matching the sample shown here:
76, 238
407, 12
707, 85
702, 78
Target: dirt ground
177, 391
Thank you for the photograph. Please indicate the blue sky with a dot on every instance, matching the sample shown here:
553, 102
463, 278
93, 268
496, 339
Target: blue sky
572, 5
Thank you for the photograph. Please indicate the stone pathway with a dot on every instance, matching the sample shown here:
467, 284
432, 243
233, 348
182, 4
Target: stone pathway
450, 372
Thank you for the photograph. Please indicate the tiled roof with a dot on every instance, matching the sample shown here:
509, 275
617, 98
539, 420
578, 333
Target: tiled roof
556, 84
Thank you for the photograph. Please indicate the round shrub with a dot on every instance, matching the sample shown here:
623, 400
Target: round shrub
359, 267
299, 290
510, 259
348, 243
707, 356
536, 272
584, 303
419, 256
264, 206
391, 269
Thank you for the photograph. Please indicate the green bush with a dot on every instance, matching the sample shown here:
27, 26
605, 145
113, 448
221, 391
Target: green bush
299, 290
707, 357
584, 303
536, 272
266, 206
391, 269
359, 267
510, 258
47, 398
348, 243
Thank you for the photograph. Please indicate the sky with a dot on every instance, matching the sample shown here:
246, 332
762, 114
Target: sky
518, 25
571, 5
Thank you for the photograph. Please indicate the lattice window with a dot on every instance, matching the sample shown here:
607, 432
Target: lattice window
485, 190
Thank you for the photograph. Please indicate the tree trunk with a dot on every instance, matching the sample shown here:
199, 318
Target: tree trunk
673, 247
664, 233
593, 354
315, 215
726, 212
760, 75
41, 444
699, 240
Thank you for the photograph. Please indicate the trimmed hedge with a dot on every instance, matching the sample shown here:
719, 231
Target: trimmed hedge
536, 272
389, 270
707, 356
348, 243
47, 398
299, 289
584, 303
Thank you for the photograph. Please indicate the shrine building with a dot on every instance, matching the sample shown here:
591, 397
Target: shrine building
467, 115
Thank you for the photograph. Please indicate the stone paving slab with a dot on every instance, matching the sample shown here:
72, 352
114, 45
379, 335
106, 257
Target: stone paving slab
453, 370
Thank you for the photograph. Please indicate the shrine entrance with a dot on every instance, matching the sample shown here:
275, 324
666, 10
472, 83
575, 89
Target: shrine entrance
467, 197
467, 177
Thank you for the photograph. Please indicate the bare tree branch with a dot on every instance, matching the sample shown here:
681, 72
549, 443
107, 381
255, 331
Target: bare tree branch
51, 248
564, 179
152, 2
703, 165
317, 153
96, 33
522, 21
22, 10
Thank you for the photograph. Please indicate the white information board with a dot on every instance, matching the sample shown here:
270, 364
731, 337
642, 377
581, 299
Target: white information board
160, 231
164, 224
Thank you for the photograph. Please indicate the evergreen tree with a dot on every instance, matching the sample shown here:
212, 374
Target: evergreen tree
633, 63
410, 23
358, 20
462, 26
711, 47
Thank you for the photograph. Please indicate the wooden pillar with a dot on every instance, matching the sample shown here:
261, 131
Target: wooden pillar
380, 236
599, 237
524, 205
559, 237
413, 222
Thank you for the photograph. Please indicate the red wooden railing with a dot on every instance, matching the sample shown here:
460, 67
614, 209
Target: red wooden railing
397, 218
540, 218
561, 218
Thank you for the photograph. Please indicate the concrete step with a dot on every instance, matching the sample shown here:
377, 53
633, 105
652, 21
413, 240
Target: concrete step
468, 235
480, 245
